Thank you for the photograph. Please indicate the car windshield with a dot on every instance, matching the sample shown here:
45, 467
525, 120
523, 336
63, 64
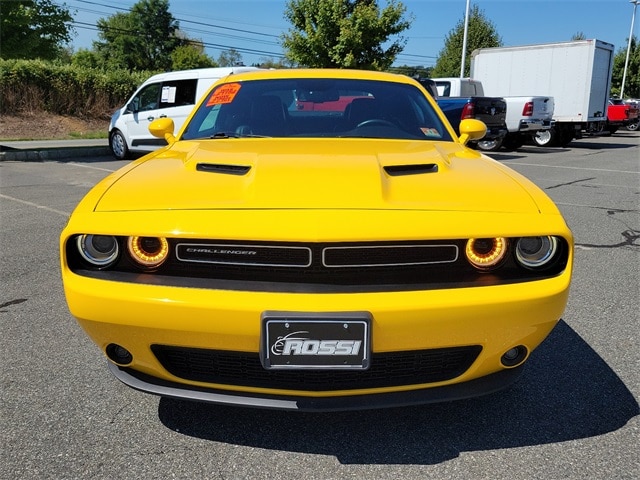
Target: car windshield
325, 108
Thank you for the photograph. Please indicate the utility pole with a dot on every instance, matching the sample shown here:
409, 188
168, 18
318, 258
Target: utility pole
626, 62
464, 40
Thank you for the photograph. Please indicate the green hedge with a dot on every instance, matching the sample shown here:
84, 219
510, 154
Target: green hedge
30, 86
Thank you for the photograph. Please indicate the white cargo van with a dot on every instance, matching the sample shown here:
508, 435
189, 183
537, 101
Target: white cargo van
170, 94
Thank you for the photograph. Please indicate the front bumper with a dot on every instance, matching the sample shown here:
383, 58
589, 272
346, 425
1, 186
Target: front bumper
139, 317
495, 133
473, 388
532, 125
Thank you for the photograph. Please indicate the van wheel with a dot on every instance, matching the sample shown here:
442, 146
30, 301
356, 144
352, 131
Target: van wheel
633, 126
118, 145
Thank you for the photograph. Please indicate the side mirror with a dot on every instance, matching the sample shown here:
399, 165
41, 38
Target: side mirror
134, 105
163, 128
471, 129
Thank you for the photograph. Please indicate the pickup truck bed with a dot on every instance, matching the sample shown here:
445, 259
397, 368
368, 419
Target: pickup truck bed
491, 111
620, 114
527, 116
461, 98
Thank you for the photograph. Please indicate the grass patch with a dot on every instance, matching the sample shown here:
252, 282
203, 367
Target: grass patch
89, 135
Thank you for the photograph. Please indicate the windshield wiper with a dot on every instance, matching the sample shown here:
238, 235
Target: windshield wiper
224, 135
236, 135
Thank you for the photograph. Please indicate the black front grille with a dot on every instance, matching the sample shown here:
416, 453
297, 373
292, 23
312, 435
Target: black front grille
240, 254
387, 369
316, 267
256, 255
393, 255
337, 264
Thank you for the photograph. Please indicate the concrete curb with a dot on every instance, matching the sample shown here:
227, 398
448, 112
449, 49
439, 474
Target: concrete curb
45, 154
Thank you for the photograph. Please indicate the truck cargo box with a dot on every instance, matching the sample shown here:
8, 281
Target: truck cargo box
577, 74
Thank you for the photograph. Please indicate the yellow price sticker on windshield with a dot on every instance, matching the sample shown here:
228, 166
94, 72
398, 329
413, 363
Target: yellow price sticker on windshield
224, 94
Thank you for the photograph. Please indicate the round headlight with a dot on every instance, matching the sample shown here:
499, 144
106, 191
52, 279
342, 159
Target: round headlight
536, 252
150, 252
486, 253
98, 250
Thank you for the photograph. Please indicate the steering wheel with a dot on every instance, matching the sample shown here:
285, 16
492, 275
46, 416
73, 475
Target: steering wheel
376, 121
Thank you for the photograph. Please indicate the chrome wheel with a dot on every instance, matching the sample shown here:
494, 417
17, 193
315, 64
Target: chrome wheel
543, 138
490, 145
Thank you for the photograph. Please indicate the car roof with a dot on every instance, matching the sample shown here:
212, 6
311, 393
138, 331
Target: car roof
218, 72
321, 73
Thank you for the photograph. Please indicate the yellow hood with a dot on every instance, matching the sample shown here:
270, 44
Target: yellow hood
318, 174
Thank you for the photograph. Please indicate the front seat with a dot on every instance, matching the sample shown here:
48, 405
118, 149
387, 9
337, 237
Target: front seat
362, 109
267, 116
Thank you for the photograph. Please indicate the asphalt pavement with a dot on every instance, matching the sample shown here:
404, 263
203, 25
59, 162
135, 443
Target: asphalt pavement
573, 415
41, 150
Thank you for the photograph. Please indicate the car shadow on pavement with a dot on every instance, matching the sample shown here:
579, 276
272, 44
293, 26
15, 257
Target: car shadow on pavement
594, 144
567, 392
582, 144
524, 152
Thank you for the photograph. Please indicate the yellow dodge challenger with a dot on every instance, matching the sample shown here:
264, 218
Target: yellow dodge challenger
316, 240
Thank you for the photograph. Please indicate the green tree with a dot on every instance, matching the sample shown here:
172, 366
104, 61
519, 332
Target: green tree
142, 39
229, 58
157, 30
32, 29
344, 33
481, 34
85, 58
270, 62
117, 45
413, 71
191, 55
579, 36
632, 80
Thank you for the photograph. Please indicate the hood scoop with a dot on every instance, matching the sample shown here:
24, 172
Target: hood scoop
419, 169
223, 169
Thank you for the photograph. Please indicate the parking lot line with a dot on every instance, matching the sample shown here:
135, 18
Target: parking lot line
31, 204
567, 167
74, 164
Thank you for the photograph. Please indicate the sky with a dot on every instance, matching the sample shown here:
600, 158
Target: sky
253, 27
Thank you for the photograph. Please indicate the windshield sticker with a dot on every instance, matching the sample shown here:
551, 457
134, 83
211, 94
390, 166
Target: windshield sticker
431, 132
224, 94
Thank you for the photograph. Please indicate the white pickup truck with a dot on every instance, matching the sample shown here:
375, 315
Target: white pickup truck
526, 115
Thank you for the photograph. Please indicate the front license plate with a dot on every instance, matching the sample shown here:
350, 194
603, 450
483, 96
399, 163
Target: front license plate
321, 341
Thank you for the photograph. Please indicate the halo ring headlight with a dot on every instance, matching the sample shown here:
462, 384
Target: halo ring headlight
536, 252
486, 253
98, 250
148, 252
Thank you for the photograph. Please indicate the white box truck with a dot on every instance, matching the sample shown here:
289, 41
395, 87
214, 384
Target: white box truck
577, 74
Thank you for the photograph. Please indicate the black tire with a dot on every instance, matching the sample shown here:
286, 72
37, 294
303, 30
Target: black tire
118, 145
632, 127
513, 142
565, 137
612, 129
